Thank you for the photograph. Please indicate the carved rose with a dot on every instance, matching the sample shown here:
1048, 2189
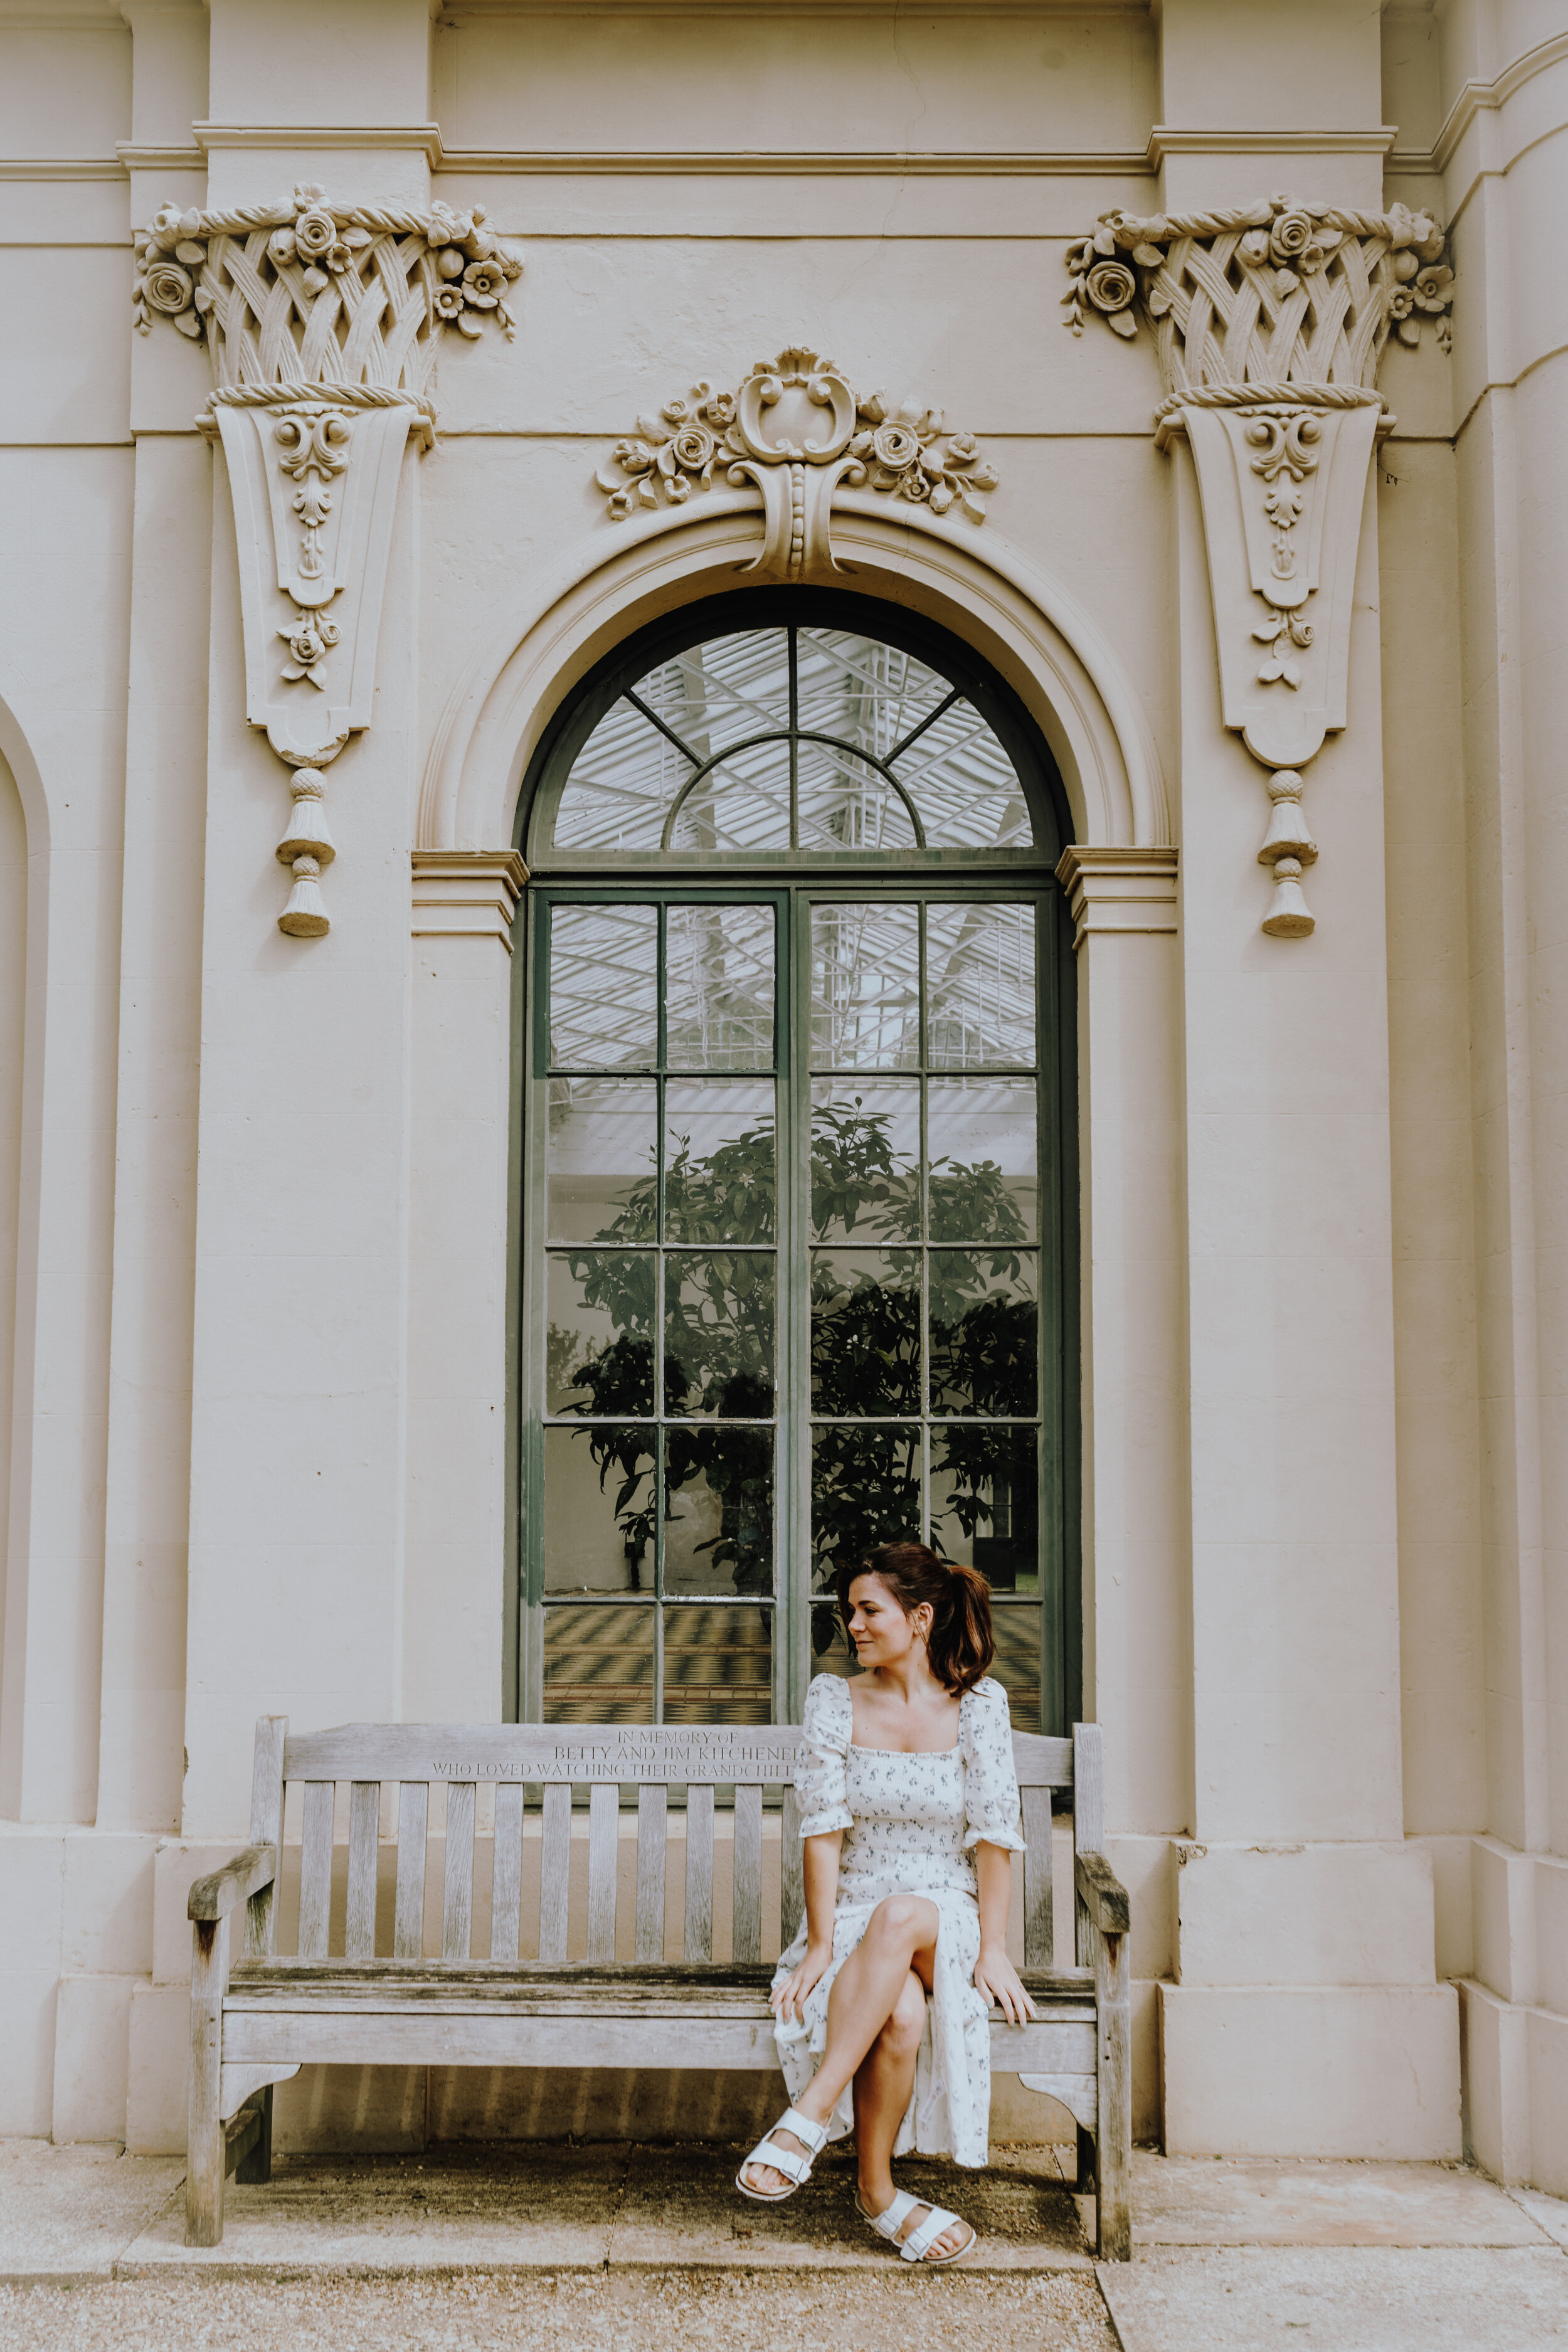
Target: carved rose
1431, 289
1111, 285
633, 457
896, 446
310, 637
315, 233
693, 447
1291, 236
719, 412
168, 288
963, 449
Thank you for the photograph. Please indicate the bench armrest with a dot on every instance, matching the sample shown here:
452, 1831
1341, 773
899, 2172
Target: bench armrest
243, 1874
1104, 1896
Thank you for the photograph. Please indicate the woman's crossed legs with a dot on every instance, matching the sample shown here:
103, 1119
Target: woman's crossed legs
875, 2016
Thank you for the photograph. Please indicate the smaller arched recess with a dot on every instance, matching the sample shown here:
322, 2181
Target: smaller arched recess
796, 1246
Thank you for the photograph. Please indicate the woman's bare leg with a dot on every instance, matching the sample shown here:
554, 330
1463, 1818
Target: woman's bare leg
865, 1994
883, 2083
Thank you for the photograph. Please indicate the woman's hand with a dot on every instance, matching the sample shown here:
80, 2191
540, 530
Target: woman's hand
997, 1982
789, 1999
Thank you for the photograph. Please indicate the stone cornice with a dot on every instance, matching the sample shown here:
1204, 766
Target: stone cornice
1167, 140
467, 893
326, 138
1117, 890
1484, 97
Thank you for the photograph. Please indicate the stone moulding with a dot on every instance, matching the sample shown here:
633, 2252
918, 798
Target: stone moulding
1269, 322
322, 322
795, 430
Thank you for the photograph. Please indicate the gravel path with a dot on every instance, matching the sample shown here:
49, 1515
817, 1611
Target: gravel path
659, 2312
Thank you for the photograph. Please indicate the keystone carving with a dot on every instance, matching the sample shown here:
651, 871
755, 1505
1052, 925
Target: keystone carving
322, 322
1269, 322
795, 430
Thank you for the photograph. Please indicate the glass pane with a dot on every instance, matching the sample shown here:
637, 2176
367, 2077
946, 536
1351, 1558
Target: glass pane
604, 986
985, 1503
830, 1650
865, 1490
717, 692
982, 1136
720, 988
719, 1510
598, 1510
964, 785
869, 695
742, 802
980, 986
598, 1346
1017, 1665
984, 1350
600, 1160
865, 988
717, 1665
719, 1335
865, 1331
622, 783
718, 1159
865, 1160
845, 804
598, 1666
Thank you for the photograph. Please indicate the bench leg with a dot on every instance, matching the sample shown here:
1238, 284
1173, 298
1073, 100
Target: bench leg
1114, 2151
1084, 2186
206, 2146
255, 2166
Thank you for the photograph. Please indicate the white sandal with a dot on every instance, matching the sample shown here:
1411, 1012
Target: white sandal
914, 2248
794, 2167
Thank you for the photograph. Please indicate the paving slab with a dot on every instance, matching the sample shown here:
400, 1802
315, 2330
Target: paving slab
525, 2207
1281, 2201
1551, 2213
68, 2213
681, 2207
1339, 2298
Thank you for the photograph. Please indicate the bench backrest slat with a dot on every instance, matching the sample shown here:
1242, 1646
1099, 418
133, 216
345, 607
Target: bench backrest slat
604, 1855
457, 1893
555, 1872
364, 1829
525, 1763
506, 1885
413, 1819
316, 1869
1088, 1825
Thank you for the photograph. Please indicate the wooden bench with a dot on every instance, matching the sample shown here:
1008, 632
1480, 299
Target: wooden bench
258, 2016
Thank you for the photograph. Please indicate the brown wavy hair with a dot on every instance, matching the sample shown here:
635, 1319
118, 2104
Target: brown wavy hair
961, 1644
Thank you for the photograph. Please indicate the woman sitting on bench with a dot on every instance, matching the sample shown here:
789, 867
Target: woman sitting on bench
910, 1820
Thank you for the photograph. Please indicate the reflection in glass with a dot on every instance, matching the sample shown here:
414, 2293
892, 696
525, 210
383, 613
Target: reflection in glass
600, 1149
1017, 1663
719, 1177
830, 1650
598, 1509
719, 1510
621, 785
865, 1490
719, 1012
964, 786
603, 981
598, 1666
843, 803
980, 986
719, 691
865, 1331
717, 1665
598, 1350
984, 1346
864, 987
982, 1137
718, 1333
865, 1158
739, 802
866, 693
985, 1503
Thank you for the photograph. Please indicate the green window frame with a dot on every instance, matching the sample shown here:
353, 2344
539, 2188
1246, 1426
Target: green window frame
799, 887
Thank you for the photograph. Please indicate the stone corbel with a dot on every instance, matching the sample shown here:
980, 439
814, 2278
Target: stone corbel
322, 322
1269, 320
794, 430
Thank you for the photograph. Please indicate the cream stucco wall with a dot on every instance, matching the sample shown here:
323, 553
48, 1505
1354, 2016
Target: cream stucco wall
253, 1190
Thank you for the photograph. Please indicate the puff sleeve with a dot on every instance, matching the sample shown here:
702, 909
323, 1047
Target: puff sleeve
819, 1774
992, 1812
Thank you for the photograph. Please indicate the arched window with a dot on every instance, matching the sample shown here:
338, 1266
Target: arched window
799, 1241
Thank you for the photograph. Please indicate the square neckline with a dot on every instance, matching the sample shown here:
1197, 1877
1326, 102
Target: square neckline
858, 1746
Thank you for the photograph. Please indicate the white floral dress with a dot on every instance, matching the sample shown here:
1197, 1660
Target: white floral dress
911, 1824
